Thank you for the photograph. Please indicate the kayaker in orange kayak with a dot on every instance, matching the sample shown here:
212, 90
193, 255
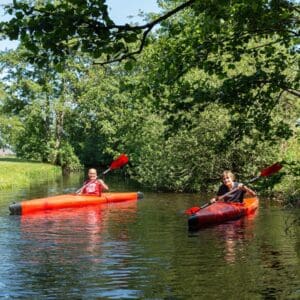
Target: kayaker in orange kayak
93, 186
234, 191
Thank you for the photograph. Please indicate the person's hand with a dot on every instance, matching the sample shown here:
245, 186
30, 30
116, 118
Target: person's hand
213, 200
241, 186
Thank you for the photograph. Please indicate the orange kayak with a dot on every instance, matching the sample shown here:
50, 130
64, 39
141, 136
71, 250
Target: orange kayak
220, 212
69, 201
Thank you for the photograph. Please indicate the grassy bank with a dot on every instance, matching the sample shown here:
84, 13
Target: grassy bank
15, 172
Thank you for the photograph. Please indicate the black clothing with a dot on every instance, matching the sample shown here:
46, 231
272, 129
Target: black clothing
236, 196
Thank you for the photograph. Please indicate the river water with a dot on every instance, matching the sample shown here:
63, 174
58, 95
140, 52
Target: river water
144, 250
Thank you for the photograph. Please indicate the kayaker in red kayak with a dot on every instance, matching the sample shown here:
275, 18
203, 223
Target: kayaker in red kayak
235, 191
93, 186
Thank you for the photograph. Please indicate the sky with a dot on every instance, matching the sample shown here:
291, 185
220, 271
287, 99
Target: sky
121, 11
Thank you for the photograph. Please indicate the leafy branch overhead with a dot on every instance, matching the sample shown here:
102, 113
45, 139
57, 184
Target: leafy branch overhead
61, 28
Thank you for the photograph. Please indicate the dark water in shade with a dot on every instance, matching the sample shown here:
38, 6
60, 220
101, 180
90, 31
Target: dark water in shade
144, 250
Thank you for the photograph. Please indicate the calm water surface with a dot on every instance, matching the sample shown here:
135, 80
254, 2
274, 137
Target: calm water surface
144, 250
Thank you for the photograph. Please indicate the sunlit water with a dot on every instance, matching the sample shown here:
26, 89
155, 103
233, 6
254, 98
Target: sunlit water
144, 250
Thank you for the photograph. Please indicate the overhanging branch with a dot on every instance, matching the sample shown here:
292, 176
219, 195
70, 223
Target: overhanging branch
148, 27
293, 92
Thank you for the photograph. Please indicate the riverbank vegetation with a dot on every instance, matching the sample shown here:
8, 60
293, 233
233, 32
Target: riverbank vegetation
17, 173
215, 87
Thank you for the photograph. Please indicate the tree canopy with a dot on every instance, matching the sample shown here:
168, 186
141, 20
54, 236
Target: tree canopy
60, 28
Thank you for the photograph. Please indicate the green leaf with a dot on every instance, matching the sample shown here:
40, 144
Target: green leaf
128, 65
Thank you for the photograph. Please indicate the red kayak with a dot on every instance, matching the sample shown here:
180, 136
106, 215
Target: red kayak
70, 201
220, 212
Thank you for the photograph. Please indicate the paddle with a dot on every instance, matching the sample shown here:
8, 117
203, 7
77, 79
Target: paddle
117, 163
263, 173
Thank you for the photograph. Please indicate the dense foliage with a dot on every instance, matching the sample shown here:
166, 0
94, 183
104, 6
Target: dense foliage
215, 87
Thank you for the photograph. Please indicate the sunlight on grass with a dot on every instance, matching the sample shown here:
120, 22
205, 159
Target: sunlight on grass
15, 172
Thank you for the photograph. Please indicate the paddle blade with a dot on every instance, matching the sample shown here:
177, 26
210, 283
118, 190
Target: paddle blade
192, 210
119, 162
271, 170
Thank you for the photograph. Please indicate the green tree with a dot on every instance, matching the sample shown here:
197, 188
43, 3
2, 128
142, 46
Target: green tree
9, 124
41, 99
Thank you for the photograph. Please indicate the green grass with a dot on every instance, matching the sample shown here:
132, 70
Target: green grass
15, 172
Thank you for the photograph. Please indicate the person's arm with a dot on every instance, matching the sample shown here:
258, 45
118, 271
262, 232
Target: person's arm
103, 184
247, 190
213, 200
220, 192
80, 191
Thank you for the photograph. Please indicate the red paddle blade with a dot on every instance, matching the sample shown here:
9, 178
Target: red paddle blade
192, 210
271, 170
119, 162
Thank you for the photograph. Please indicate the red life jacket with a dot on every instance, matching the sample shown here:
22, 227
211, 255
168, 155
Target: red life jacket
92, 187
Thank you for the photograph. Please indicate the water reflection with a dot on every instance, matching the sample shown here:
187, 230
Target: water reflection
77, 243
79, 229
234, 236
